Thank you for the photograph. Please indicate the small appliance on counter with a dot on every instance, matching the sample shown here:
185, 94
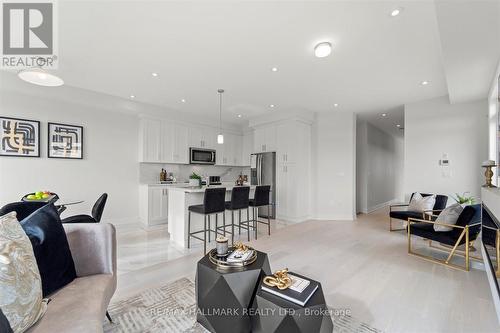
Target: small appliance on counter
214, 180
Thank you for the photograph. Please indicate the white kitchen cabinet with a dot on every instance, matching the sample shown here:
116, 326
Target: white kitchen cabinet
247, 148
153, 205
230, 153
265, 139
202, 137
150, 148
174, 143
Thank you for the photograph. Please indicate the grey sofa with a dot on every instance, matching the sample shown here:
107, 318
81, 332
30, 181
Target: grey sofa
81, 306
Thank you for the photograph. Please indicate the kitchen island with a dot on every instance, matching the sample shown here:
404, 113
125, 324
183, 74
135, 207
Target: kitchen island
180, 198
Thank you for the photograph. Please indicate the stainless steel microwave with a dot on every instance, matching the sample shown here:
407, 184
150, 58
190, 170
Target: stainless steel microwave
201, 156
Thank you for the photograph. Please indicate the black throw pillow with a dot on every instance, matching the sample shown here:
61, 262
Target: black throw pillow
52, 253
4, 324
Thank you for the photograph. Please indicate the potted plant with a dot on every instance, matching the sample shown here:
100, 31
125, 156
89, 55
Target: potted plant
194, 179
465, 199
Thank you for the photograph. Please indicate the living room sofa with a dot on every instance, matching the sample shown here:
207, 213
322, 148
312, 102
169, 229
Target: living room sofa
81, 305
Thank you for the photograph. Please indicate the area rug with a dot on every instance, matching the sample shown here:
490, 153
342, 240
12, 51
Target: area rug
172, 308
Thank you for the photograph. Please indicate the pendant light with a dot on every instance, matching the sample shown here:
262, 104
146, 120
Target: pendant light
220, 136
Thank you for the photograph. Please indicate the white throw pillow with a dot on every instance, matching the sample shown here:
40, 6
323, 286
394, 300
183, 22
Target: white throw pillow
20, 283
449, 216
420, 204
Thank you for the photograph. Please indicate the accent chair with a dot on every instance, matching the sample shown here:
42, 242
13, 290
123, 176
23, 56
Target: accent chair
397, 213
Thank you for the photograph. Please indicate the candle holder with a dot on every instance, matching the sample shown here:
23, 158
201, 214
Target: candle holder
488, 173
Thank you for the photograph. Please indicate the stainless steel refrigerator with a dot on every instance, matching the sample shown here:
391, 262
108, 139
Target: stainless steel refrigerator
263, 172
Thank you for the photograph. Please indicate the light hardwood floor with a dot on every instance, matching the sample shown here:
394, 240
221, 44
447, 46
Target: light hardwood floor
362, 266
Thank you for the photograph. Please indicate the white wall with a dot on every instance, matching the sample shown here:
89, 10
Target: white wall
109, 164
436, 127
334, 166
379, 165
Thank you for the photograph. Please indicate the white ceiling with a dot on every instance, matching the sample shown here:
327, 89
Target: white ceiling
377, 63
388, 123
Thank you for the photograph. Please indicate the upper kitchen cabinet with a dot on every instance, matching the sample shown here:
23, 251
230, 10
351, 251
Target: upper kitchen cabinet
163, 141
264, 139
202, 137
150, 140
293, 141
230, 153
247, 147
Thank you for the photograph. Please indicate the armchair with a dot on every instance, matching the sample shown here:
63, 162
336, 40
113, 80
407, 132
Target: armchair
464, 232
395, 211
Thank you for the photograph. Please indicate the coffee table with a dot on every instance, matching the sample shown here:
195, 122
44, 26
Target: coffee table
224, 296
272, 313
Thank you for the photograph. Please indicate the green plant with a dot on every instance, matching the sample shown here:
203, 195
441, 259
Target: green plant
464, 198
194, 175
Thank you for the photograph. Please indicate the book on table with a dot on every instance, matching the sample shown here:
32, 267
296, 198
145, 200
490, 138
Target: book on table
239, 256
299, 292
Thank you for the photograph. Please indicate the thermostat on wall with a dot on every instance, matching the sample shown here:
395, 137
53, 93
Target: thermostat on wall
444, 162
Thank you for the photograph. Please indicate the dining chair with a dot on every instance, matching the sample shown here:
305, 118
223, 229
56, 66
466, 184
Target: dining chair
97, 211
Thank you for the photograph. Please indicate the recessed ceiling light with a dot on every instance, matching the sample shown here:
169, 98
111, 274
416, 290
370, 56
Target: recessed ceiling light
335, 105
323, 49
424, 83
40, 77
271, 105
183, 100
384, 114
396, 11
398, 125
239, 116
154, 74
274, 69
132, 96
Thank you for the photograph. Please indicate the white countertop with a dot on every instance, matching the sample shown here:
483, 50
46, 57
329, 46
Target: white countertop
201, 189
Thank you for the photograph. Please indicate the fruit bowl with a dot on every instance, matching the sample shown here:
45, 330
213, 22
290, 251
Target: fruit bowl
40, 196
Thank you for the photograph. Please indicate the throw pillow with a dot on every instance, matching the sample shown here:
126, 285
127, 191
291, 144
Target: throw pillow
449, 216
4, 323
420, 204
52, 253
20, 285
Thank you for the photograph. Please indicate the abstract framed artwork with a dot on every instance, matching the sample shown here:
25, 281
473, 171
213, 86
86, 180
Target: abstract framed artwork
19, 137
65, 141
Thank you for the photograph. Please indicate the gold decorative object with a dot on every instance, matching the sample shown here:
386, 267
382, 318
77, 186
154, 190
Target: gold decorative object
279, 279
239, 246
488, 173
223, 264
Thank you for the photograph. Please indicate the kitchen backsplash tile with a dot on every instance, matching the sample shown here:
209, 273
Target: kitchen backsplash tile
150, 172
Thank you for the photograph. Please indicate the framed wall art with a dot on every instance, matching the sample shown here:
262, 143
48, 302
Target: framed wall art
19, 137
65, 141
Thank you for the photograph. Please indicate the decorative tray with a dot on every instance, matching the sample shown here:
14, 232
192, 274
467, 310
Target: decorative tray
221, 261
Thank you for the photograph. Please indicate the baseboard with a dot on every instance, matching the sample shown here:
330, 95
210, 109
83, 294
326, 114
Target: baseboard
122, 221
380, 206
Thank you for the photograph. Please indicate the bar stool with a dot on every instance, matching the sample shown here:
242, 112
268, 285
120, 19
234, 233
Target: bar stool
239, 201
213, 203
261, 199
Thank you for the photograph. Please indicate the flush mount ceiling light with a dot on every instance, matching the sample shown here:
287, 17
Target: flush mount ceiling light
220, 136
396, 11
323, 49
424, 83
274, 69
40, 77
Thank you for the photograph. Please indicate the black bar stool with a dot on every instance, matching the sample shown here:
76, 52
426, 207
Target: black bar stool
239, 200
213, 203
261, 199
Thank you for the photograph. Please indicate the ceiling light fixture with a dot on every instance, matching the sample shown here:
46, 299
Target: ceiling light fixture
274, 69
323, 49
239, 116
40, 77
154, 74
132, 96
271, 106
398, 125
183, 100
335, 105
396, 11
220, 136
424, 83
384, 114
